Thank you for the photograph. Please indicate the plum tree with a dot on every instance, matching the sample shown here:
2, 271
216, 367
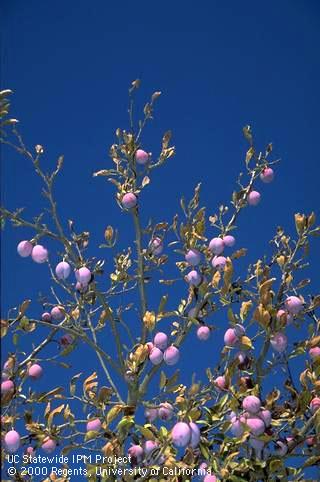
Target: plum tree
251, 416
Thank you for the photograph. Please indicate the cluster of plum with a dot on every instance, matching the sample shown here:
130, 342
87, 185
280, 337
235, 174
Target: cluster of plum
160, 351
257, 420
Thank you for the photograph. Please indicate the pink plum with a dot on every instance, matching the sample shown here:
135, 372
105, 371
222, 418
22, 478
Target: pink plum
220, 382
48, 445
194, 278
267, 175
156, 246
56, 313
314, 352
237, 427
282, 448
311, 441
219, 262
151, 414
279, 342
315, 404
150, 346
46, 317
63, 270
129, 200
254, 198
7, 387
239, 330
35, 371
228, 240
94, 425
251, 404
265, 415
210, 478
181, 434
203, 333
256, 425
150, 446
161, 340
293, 304
141, 156
136, 452
83, 275
171, 355
82, 288
216, 246
156, 356
230, 337
283, 315
24, 248
195, 435
193, 257
165, 411
12, 441
39, 254
256, 444
202, 470
30, 451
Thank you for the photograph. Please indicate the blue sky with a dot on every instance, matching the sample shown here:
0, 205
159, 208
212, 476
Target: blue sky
219, 65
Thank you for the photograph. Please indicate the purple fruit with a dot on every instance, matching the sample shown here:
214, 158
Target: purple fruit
237, 428
315, 404
39, 254
181, 434
83, 275
7, 387
193, 257
35, 371
220, 382
150, 446
203, 333
171, 355
239, 330
63, 270
30, 451
94, 425
254, 198
284, 316
256, 425
161, 340
165, 411
195, 435
228, 240
202, 470
210, 478
314, 352
251, 404
194, 278
141, 156
230, 337
48, 445
24, 248
219, 262
266, 416
293, 304
282, 448
136, 453
12, 441
129, 200
216, 246
46, 317
156, 246
151, 414
56, 313
279, 342
256, 444
267, 175
81, 288
156, 356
